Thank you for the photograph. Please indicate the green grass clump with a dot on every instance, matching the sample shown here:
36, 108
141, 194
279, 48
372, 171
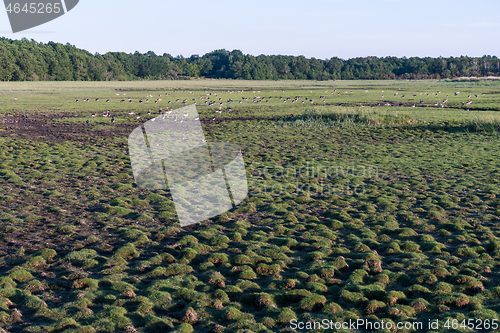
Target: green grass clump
218, 258
176, 269
232, 313
86, 284
21, 276
286, 315
313, 303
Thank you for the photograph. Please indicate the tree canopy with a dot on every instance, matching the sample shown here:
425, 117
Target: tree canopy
28, 60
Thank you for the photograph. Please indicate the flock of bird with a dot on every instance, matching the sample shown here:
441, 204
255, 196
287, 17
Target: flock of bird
213, 99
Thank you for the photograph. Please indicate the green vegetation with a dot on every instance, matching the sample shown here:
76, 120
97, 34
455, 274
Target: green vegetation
25, 60
359, 206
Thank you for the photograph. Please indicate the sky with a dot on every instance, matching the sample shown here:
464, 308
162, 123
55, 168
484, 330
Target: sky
314, 28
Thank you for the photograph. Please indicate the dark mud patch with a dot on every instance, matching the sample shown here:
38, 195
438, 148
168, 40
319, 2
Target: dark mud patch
41, 127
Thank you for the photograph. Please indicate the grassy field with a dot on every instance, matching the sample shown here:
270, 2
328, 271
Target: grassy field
374, 200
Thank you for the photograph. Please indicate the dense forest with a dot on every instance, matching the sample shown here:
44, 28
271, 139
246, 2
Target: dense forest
28, 60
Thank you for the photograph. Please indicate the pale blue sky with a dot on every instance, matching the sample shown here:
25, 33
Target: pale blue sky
313, 28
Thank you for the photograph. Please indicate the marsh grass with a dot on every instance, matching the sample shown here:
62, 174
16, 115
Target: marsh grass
79, 235
486, 124
346, 117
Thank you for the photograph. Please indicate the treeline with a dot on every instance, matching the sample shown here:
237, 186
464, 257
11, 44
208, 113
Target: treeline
28, 60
